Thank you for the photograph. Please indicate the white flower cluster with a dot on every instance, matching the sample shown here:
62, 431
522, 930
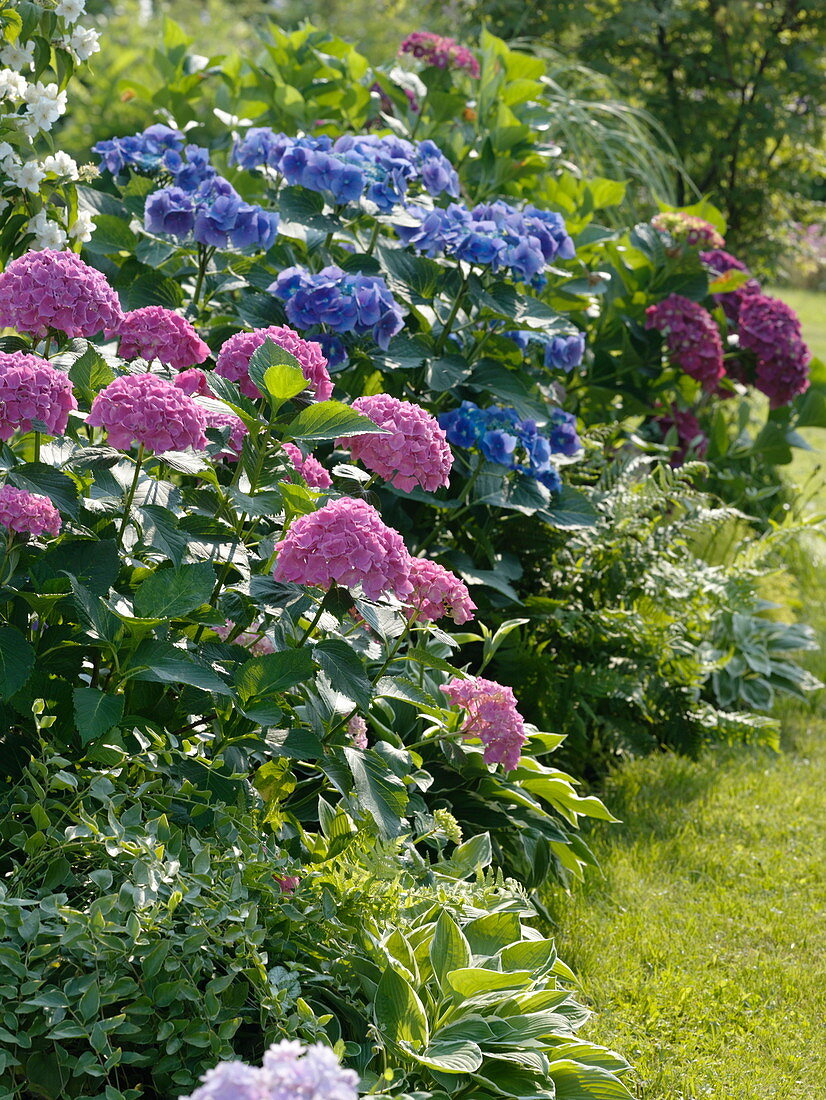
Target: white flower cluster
29, 108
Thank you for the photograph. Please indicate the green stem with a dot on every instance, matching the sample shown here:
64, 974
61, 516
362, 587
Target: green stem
37, 446
440, 344
204, 256
313, 624
130, 495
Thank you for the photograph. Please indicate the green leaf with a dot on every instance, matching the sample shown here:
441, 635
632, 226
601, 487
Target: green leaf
574, 1081
397, 1011
172, 593
276, 372
111, 234
165, 663
382, 794
475, 980
16, 661
489, 934
90, 373
345, 670
263, 677
94, 564
570, 508
330, 420
449, 1056
449, 948
95, 612
95, 712
37, 477
151, 288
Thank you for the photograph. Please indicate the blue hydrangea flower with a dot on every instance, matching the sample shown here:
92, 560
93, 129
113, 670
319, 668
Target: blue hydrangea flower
214, 214
565, 352
498, 446
143, 152
342, 301
493, 234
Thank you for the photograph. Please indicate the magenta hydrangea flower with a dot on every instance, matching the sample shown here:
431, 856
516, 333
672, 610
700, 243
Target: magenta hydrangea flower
42, 291
771, 331
717, 263
690, 436
357, 729
438, 592
287, 884
193, 382
145, 409
345, 543
233, 360
693, 338
254, 639
157, 333
309, 1073
491, 716
27, 513
31, 389
414, 451
688, 229
443, 53
308, 467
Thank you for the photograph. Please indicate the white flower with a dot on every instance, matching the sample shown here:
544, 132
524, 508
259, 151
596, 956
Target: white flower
47, 234
83, 227
4, 205
45, 106
8, 155
70, 10
18, 57
28, 176
84, 41
61, 164
12, 84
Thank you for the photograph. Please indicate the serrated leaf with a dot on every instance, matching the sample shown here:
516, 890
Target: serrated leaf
327, 420
345, 670
164, 663
16, 661
286, 374
382, 794
171, 593
37, 477
264, 677
95, 712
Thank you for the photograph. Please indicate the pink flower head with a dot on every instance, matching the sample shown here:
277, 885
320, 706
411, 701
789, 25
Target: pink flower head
771, 330
214, 418
254, 639
157, 333
27, 513
357, 729
308, 467
233, 360
443, 53
192, 382
47, 290
345, 543
690, 436
147, 410
414, 452
717, 262
31, 389
491, 716
287, 883
438, 592
688, 229
693, 338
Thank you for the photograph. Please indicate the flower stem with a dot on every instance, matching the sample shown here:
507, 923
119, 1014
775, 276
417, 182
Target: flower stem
313, 624
130, 496
448, 325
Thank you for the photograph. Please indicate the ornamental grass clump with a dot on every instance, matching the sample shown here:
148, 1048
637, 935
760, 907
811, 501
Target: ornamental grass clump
32, 389
56, 292
233, 360
412, 452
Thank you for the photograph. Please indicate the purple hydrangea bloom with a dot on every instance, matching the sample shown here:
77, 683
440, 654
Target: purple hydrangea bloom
565, 352
144, 152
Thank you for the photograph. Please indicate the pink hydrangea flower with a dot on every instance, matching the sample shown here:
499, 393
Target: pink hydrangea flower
345, 543
690, 436
718, 262
438, 592
157, 333
47, 290
254, 639
31, 389
693, 338
145, 409
357, 729
193, 382
233, 360
443, 53
308, 467
28, 513
688, 229
414, 451
491, 716
287, 883
771, 330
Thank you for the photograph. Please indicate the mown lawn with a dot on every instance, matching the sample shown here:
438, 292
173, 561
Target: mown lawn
703, 947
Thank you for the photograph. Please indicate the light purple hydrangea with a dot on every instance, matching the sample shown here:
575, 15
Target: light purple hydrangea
290, 1071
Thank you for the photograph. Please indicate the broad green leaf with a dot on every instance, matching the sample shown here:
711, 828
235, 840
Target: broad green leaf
449, 1056
489, 934
345, 670
474, 980
37, 477
468, 857
382, 794
171, 593
330, 420
397, 1011
263, 677
528, 955
286, 376
164, 663
94, 611
94, 564
16, 661
90, 373
96, 712
574, 1081
449, 949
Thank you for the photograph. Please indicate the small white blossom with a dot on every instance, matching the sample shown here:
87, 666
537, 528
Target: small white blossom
4, 205
8, 155
45, 106
12, 84
70, 10
61, 164
83, 42
18, 56
47, 234
83, 227
27, 177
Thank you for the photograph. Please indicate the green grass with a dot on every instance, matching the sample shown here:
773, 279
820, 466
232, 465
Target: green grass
703, 948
